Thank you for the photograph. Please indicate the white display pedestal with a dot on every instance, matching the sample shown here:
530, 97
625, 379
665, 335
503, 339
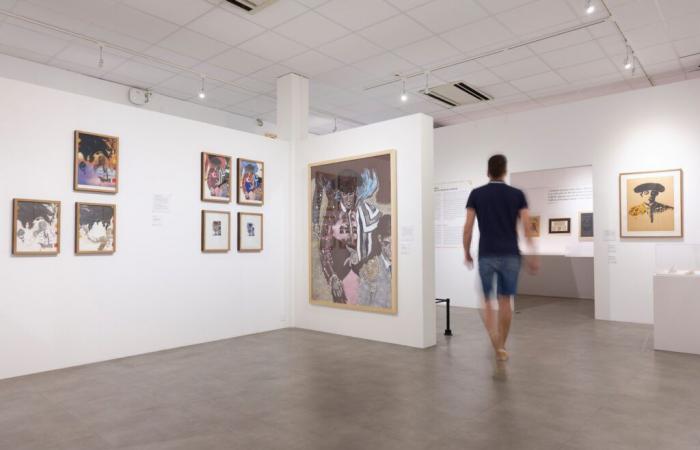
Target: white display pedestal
677, 313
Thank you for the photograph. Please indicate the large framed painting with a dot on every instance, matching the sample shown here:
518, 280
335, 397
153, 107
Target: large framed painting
585, 230
560, 226
251, 186
216, 178
352, 233
651, 204
95, 229
250, 232
96, 159
36, 227
216, 231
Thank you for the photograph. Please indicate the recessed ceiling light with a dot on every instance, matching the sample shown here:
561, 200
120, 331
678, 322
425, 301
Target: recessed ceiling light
590, 7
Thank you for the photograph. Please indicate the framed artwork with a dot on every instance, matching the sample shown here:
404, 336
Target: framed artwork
250, 232
95, 229
96, 159
216, 231
36, 227
534, 226
651, 204
352, 233
585, 226
216, 178
560, 226
251, 182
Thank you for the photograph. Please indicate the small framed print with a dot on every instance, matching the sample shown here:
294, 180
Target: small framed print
251, 183
585, 222
36, 227
250, 232
534, 226
560, 226
96, 159
651, 204
95, 229
216, 231
216, 178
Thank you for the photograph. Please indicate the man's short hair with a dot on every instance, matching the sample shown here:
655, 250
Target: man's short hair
497, 166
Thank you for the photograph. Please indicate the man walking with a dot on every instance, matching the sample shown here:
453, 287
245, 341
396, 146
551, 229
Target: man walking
497, 207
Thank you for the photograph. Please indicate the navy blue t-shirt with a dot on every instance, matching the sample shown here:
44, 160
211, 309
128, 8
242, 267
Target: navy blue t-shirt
497, 208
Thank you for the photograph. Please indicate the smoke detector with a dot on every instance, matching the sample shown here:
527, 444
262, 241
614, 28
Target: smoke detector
456, 94
249, 6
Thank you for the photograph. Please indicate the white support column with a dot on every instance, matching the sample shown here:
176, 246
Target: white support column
292, 107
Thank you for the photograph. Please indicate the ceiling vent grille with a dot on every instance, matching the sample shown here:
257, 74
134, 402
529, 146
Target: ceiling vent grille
251, 6
456, 94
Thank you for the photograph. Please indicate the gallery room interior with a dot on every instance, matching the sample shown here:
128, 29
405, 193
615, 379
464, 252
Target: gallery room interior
240, 224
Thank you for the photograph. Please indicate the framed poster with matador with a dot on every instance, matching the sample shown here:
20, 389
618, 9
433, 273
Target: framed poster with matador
352, 233
651, 204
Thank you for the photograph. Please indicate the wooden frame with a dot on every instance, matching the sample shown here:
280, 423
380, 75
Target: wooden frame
203, 238
538, 232
394, 232
580, 226
239, 199
76, 186
562, 219
203, 178
77, 229
15, 210
624, 235
240, 230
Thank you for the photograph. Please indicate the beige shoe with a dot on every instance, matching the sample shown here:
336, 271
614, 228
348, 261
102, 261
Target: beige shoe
501, 354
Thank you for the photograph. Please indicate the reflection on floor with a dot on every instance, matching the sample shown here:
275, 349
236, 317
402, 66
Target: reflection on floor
571, 383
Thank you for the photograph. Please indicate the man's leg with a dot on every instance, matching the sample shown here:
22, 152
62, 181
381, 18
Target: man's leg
505, 316
488, 315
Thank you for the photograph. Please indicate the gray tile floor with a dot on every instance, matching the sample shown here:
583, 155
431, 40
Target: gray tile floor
572, 383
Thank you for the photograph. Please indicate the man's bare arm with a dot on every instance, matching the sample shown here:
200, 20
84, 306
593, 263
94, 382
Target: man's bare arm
468, 232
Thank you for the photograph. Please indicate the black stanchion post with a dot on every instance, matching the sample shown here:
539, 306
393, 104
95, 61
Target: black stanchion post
448, 330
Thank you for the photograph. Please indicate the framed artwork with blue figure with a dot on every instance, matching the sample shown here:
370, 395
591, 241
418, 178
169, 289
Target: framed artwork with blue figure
250, 232
96, 158
251, 182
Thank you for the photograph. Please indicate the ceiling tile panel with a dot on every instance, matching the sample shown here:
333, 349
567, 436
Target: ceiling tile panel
239, 61
541, 81
312, 29
386, 65
357, 14
588, 70
351, 48
521, 69
395, 32
221, 25
485, 34
272, 46
443, 15
192, 44
176, 11
312, 63
577, 54
428, 51
537, 16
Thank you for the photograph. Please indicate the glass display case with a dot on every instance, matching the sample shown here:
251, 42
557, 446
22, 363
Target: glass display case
679, 259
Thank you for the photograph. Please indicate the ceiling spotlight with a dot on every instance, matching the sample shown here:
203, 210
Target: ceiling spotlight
590, 7
202, 94
404, 96
629, 60
427, 83
101, 61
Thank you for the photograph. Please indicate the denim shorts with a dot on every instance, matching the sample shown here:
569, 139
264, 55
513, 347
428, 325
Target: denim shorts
505, 269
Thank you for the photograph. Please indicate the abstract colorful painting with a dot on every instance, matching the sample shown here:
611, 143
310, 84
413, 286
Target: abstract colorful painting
216, 178
96, 162
36, 227
651, 204
95, 228
216, 231
352, 249
251, 187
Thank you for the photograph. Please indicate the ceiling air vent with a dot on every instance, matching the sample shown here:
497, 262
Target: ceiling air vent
456, 94
251, 6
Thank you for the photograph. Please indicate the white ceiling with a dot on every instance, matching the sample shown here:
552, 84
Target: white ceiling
344, 46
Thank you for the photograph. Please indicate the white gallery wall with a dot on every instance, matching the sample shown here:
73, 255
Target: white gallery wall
634, 131
158, 290
414, 325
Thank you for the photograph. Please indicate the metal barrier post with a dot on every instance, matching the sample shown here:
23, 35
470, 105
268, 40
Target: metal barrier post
448, 330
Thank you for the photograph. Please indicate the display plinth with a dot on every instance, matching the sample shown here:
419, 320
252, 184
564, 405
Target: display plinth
677, 313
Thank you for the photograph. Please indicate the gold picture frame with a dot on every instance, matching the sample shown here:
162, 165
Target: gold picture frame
534, 226
223, 178
241, 229
78, 219
81, 163
556, 226
642, 219
29, 218
313, 238
206, 247
241, 164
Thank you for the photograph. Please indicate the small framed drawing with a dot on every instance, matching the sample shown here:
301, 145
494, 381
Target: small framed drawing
560, 226
651, 204
216, 231
534, 226
585, 222
96, 163
251, 185
250, 232
36, 227
95, 229
216, 178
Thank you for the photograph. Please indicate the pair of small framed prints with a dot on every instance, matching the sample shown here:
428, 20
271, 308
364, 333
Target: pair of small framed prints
563, 226
37, 228
216, 180
216, 231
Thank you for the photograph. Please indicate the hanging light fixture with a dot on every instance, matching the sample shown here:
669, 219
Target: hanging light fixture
629, 59
101, 61
404, 96
426, 91
202, 94
590, 7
